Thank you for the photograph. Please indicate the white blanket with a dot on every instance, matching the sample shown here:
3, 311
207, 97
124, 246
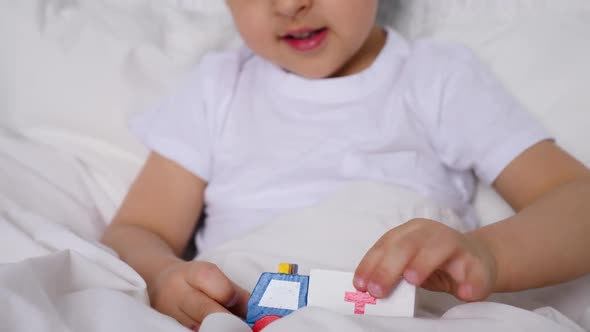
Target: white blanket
54, 279
73, 284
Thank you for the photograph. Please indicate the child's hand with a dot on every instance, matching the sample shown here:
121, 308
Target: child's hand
431, 255
189, 291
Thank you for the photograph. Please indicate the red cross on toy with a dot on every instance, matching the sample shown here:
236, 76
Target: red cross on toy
360, 299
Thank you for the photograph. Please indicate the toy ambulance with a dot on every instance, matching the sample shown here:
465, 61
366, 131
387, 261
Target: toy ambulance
279, 294
276, 295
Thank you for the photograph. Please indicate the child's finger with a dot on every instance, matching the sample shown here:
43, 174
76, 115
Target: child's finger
366, 267
428, 259
375, 256
185, 319
197, 306
210, 280
389, 271
240, 307
477, 285
469, 277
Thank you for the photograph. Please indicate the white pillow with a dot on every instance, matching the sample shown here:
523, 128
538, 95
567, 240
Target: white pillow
71, 75
423, 17
84, 66
539, 49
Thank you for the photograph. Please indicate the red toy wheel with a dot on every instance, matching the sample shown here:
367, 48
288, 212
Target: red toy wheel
263, 322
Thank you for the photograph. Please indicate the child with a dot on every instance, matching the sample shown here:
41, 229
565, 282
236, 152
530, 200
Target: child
323, 96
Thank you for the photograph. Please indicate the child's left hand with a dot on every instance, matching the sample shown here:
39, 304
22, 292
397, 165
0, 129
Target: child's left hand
432, 255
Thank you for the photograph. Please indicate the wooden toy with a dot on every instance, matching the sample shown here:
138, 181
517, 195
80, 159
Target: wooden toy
279, 294
334, 290
276, 295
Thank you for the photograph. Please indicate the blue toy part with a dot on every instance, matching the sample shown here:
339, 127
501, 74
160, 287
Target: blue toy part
257, 311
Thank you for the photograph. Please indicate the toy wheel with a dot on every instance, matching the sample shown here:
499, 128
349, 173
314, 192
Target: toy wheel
263, 322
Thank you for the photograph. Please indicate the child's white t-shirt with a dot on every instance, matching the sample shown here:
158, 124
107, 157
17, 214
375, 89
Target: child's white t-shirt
426, 115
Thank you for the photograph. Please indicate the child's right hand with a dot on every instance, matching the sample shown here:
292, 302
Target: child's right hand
189, 291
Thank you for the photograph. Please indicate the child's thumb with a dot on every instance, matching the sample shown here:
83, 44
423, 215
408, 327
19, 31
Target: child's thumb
238, 304
471, 281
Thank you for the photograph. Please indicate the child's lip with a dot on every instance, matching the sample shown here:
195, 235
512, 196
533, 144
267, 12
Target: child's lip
300, 31
314, 41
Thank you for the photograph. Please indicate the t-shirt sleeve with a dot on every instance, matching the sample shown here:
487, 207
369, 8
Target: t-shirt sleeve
183, 127
479, 125
179, 126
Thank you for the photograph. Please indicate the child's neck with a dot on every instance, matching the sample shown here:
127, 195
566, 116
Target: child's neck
365, 57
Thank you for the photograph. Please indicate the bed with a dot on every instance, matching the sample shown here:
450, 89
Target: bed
74, 72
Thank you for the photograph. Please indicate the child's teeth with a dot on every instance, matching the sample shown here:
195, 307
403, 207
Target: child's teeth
303, 35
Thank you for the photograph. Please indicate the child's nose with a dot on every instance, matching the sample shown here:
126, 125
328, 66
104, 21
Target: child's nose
292, 8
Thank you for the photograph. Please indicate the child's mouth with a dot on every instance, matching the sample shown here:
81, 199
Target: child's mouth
306, 40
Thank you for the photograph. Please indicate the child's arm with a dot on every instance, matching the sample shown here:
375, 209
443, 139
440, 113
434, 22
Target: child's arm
150, 232
545, 243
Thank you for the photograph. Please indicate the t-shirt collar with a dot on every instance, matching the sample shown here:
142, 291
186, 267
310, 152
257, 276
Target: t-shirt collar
342, 89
